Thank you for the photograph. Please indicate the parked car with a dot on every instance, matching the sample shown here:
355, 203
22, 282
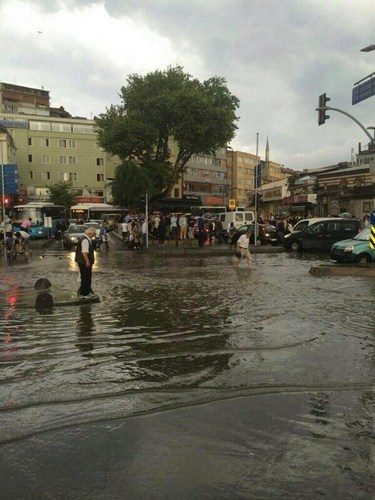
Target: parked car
304, 223
354, 250
72, 235
322, 234
267, 234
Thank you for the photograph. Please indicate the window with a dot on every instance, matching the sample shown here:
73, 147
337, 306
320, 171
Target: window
46, 176
30, 158
67, 143
100, 177
83, 129
31, 175
73, 176
64, 176
61, 127
44, 142
100, 161
29, 141
39, 125
68, 160
45, 159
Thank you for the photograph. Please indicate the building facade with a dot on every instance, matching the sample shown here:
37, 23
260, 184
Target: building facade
206, 177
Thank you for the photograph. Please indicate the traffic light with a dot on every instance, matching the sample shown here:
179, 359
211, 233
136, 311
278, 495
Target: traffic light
322, 113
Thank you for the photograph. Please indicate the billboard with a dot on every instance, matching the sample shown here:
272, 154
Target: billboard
10, 179
364, 89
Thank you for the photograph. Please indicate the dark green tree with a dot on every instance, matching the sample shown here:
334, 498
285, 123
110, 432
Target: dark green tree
61, 193
164, 118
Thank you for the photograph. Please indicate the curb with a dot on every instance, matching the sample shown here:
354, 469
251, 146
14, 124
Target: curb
331, 270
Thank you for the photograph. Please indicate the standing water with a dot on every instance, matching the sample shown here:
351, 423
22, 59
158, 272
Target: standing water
190, 379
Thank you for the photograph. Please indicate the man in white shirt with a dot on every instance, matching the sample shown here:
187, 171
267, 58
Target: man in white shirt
85, 259
243, 247
173, 227
23, 242
124, 230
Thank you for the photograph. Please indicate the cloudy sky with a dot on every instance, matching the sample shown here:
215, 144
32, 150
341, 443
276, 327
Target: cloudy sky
277, 56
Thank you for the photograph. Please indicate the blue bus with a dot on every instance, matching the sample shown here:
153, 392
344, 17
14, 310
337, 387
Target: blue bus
37, 211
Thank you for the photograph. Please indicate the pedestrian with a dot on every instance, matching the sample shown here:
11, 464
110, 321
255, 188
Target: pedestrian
23, 242
231, 230
10, 246
243, 247
191, 224
173, 227
219, 231
201, 231
103, 236
9, 226
137, 234
162, 231
156, 226
144, 233
85, 259
124, 230
25, 225
182, 222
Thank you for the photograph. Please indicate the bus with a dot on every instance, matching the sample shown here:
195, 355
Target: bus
213, 210
97, 212
37, 211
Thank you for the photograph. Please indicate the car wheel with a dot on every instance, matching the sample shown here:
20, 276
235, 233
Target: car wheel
363, 258
296, 246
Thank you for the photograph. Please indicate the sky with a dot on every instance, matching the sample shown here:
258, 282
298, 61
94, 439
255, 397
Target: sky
277, 57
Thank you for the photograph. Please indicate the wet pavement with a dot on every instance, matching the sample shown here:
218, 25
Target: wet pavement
190, 379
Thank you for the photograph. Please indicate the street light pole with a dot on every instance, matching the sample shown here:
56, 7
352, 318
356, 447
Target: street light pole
3, 194
256, 194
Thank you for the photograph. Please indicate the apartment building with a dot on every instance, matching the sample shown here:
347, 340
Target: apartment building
241, 170
206, 177
53, 146
51, 150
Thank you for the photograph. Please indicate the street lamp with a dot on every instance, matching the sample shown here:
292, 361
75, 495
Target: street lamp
369, 48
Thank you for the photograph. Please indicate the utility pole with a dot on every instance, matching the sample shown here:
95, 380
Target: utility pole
256, 194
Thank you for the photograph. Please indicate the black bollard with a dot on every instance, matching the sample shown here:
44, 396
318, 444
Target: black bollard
44, 301
42, 284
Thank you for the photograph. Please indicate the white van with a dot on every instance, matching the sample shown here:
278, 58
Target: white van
238, 218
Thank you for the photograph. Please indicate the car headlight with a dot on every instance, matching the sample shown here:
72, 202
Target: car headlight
73, 239
287, 236
348, 249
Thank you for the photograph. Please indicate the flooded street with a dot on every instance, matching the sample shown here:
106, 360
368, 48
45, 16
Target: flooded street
190, 379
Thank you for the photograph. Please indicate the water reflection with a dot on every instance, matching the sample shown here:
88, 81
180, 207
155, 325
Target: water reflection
85, 331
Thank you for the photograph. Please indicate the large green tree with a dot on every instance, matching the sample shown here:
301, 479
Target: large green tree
164, 118
61, 193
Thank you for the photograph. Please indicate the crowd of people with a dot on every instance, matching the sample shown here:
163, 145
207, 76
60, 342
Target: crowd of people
16, 242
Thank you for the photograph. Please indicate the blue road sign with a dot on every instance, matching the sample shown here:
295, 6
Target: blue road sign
10, 179
372, 218
364, 89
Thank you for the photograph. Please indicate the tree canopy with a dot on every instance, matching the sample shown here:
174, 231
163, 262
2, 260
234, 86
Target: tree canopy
61, 193
164, 118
